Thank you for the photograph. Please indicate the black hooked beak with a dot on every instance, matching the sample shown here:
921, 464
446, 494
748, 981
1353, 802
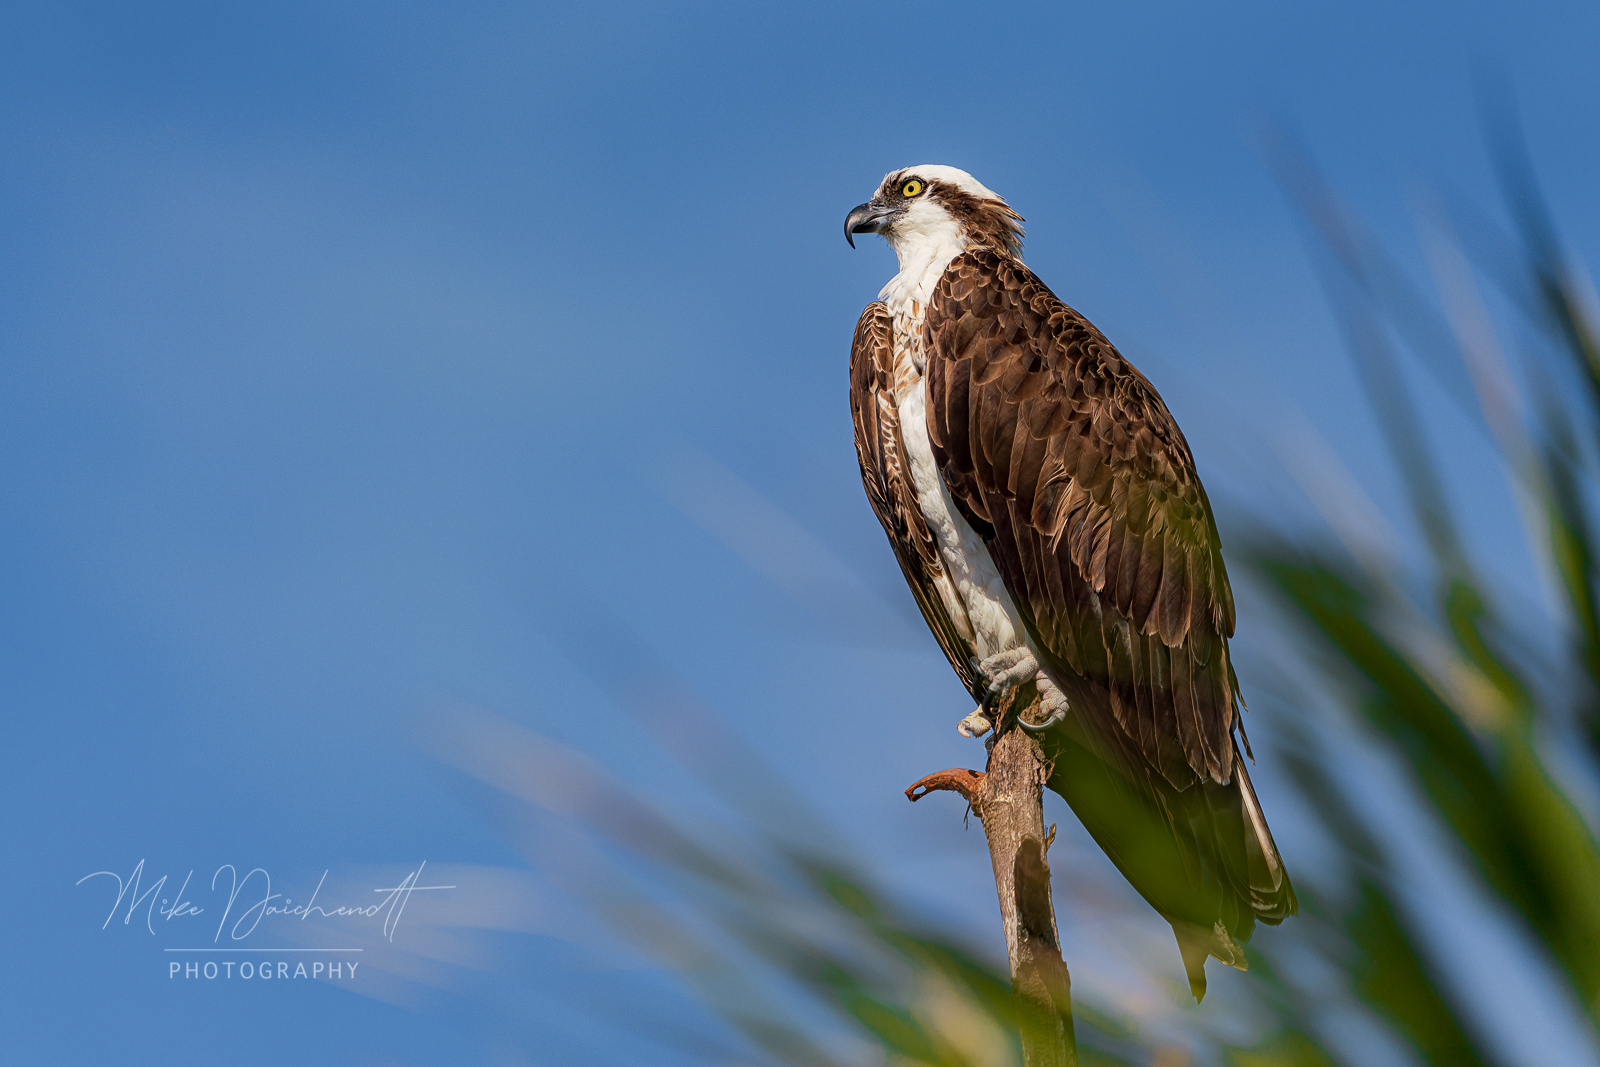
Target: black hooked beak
868, 218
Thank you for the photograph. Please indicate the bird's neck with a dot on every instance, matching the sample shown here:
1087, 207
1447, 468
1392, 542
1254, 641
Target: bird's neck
924, 253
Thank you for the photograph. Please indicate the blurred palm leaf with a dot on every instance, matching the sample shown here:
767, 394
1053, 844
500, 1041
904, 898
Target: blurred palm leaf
764, 932
1447, 687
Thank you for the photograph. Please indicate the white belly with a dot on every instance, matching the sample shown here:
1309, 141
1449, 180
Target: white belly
973, 589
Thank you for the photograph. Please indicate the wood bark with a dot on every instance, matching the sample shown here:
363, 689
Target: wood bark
1008, 799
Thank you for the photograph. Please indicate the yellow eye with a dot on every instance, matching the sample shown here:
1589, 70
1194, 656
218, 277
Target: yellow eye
911, 188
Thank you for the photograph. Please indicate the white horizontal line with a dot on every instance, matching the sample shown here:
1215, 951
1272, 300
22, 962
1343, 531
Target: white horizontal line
263, 950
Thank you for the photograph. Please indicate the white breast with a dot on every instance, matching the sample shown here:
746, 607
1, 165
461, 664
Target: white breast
973, 592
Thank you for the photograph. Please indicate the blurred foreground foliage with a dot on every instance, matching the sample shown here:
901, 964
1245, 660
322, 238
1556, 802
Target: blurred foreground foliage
1405, 665
1483, 696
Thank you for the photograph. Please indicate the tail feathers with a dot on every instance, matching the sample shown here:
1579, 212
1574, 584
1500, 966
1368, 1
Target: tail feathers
1196, 943
1271, 895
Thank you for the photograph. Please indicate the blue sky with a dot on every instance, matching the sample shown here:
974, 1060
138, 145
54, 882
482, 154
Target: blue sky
351, 355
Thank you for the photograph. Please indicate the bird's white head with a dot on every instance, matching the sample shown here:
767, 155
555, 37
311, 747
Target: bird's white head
932, 209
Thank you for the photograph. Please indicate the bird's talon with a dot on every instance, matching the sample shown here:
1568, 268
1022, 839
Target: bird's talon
1054, 718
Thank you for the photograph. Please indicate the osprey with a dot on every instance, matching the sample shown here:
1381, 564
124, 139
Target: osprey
1046, 511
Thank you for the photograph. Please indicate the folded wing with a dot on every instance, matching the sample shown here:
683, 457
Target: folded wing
1064, 457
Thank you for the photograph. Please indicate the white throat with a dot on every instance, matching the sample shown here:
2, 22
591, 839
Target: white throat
924, 251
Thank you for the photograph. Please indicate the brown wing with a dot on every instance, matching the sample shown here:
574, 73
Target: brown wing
881, 451
1066, 459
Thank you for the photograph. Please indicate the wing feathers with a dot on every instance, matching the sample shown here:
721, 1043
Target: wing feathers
1034, 413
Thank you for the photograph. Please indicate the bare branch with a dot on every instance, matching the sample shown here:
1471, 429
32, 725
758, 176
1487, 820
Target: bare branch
1008, 798
956, 780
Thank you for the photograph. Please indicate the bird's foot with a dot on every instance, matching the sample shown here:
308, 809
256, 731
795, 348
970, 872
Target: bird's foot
1004, 671
999, 674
